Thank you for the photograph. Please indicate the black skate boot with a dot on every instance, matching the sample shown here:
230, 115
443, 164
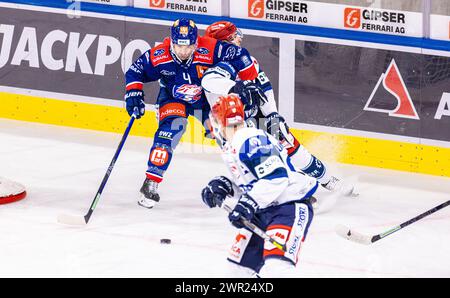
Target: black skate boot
149, 194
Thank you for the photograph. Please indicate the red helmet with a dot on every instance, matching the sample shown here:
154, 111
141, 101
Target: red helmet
228, 110
222, 30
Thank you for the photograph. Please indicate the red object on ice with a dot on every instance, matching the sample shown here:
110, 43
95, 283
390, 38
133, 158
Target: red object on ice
11, 191
13, 198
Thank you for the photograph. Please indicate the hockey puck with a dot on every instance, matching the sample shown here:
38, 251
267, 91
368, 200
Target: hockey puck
165, 241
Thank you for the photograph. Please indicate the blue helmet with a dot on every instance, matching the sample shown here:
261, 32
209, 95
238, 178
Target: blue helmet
184, 32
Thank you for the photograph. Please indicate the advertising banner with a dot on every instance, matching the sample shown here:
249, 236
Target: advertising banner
440, 27
88, 56
381, 91
330, 16
207, 7
110, 2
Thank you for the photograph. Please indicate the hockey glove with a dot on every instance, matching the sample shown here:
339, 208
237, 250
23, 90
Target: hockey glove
277, 127
250, 93
216, 191
245, 209
135, 99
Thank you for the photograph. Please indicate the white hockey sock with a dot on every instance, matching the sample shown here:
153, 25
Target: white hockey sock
303, 160
277, 268
237, 271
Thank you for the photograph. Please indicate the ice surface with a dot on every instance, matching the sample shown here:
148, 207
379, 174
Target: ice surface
63, 167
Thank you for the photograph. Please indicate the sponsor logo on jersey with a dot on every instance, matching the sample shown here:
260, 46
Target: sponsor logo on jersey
172, 110
157, 3
161, 59
268, 166
280, 236
256, 9
159, 156
201, 70
206, 59
301, 220
301, 217
392, 82
135, 69
230, 53
279, 233
247, 61
159, 52
255, 142
203, 51
165, 72
238, 248
256, 146
294, 246
166, 135
189, 93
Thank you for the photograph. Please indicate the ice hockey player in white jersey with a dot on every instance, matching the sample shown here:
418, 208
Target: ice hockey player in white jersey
262, 112
271, 195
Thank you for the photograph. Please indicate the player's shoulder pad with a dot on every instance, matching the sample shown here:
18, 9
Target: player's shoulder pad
205, 50
256, 63
229, 51
260, 153
241, 60
224, 69
254, 144
161, 54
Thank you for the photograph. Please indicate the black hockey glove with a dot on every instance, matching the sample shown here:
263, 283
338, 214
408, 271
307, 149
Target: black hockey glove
277, 127
135, 100
245, 209
250, 93
216, 191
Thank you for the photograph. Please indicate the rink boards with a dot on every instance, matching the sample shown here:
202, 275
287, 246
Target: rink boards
357, 102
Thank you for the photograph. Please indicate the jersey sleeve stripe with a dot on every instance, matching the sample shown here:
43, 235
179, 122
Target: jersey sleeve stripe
135, 85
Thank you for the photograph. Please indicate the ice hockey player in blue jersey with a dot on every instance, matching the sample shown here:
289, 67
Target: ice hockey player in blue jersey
265, 114
270, 194
178, 64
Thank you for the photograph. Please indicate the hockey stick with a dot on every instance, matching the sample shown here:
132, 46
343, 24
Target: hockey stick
354, 236
255, 229
83, 220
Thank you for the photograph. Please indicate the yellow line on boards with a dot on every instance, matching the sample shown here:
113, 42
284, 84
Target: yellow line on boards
327, 146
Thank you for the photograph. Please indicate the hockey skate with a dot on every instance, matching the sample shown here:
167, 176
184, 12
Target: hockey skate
336, 184
149, 195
